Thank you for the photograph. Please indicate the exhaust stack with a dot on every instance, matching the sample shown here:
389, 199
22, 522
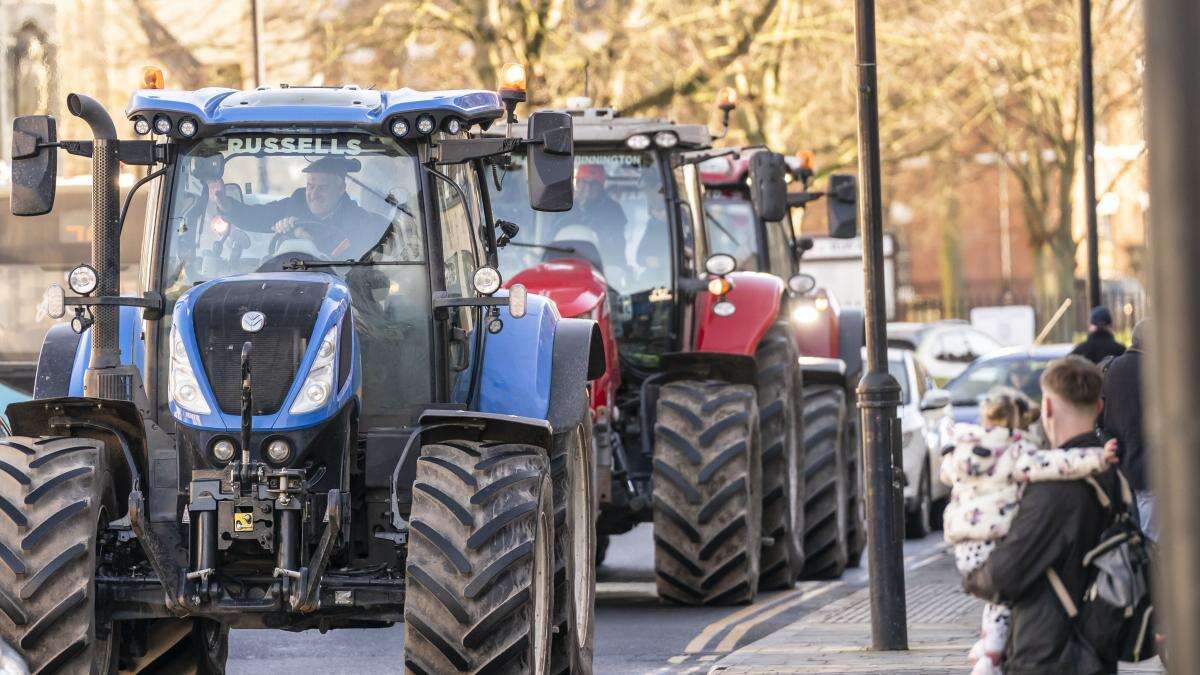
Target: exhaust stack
106, 251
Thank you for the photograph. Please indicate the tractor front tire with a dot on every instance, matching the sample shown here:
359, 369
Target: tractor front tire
783, 462
480, 560
572, 475
827, 493
55, 495
707, 484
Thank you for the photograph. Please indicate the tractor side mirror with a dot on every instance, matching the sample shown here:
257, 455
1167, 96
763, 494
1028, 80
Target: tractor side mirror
550, 168
801, 283
34, 166
768, 185
842, 202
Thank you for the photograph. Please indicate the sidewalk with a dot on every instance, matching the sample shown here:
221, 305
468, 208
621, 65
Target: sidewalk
943, 623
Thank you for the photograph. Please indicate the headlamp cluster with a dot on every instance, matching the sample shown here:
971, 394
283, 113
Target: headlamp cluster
662, 139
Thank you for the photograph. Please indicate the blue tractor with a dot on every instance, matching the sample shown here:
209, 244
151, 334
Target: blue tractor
319, 413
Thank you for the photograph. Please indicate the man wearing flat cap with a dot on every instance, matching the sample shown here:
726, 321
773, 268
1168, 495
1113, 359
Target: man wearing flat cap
321, 211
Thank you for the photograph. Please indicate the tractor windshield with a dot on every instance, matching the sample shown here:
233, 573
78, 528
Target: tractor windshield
618, 223
253, 202
731, 226
245, 203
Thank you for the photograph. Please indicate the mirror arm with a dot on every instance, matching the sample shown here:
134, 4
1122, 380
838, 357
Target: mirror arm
459, 150
440, 301
152, 302
695, 157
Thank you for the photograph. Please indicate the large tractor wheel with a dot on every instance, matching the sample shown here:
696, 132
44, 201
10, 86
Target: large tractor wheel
480, 560
199, 646
55, 496
826, 535
707, 482
783, 462
571, 470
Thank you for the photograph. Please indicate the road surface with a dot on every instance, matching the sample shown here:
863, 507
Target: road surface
634, 632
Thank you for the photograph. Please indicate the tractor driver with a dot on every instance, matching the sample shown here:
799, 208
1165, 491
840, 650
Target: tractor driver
321, 212
596, 210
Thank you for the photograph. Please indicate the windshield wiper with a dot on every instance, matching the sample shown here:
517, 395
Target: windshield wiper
298, 264
548, 247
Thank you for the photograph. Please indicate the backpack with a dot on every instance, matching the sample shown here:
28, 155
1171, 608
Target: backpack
1116, 618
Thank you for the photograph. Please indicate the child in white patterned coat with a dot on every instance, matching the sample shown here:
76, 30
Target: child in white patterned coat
987, 469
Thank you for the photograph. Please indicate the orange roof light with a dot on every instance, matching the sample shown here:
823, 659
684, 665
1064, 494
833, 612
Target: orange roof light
727, 99
806, 159
152, 78
512, 77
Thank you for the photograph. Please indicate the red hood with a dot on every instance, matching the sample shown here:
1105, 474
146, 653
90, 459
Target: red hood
574, 285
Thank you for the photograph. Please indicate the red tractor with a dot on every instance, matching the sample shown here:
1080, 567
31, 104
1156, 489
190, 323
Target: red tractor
698, 431
829, 337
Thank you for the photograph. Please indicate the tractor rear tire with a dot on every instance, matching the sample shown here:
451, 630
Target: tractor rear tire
571, 471
707, 484
783, 462
55, 496
826, 536
480, 560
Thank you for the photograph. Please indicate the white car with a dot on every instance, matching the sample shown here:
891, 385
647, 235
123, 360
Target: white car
924, 412
944, 348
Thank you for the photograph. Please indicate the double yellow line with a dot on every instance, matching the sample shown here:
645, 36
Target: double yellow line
741, 622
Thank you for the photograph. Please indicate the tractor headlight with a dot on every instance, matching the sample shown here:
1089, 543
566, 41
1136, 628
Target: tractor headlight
223, 450
162, 124
279, 450
188, 127
638, 142
318, 386
399, 127
141, 126
425, 124
181, 380
806, 314
666, 139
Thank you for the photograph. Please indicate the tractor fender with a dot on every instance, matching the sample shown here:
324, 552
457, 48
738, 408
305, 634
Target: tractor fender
56, 362
578, 359
756, 299
443, 425
821, 370
518, 362
850, 341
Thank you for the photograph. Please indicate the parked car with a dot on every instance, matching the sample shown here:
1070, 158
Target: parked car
944, 348
923, 407
1017, 367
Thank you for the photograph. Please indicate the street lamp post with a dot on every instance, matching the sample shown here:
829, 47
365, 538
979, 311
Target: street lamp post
879, 393
1173, 132
1087, 109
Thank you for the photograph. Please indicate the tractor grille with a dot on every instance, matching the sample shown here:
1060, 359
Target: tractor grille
291, 309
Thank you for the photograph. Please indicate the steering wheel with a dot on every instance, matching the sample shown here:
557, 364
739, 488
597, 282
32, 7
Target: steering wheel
281, 237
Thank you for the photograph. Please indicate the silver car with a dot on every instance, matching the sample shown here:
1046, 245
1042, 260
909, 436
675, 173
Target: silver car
924, 413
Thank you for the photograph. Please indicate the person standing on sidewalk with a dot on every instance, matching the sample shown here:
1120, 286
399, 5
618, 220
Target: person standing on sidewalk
1099, 342
987, 470
1122, 420
1057, 524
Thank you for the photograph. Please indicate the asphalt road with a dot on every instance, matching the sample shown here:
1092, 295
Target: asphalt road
634, 632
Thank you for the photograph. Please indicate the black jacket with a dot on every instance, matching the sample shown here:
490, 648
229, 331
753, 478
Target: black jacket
1099, 344
347, 232
1056, 524
1122, 415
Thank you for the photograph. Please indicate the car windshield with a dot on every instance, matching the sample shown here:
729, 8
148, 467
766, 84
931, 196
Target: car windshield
898, 370
253, 202
618, 223
731, 229
1022, 373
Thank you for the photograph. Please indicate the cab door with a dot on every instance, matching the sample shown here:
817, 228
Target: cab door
460, 217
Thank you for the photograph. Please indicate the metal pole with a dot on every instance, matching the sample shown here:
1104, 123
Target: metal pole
1173, 130
256, 21
878, 393
1088, 109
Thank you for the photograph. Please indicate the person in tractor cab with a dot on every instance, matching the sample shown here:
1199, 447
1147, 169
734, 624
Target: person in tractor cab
596, 210
321, 211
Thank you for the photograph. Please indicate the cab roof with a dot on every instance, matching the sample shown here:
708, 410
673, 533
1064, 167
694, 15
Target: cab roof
606, 126
216, 108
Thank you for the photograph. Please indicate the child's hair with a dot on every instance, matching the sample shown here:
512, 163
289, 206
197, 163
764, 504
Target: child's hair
1001, 408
